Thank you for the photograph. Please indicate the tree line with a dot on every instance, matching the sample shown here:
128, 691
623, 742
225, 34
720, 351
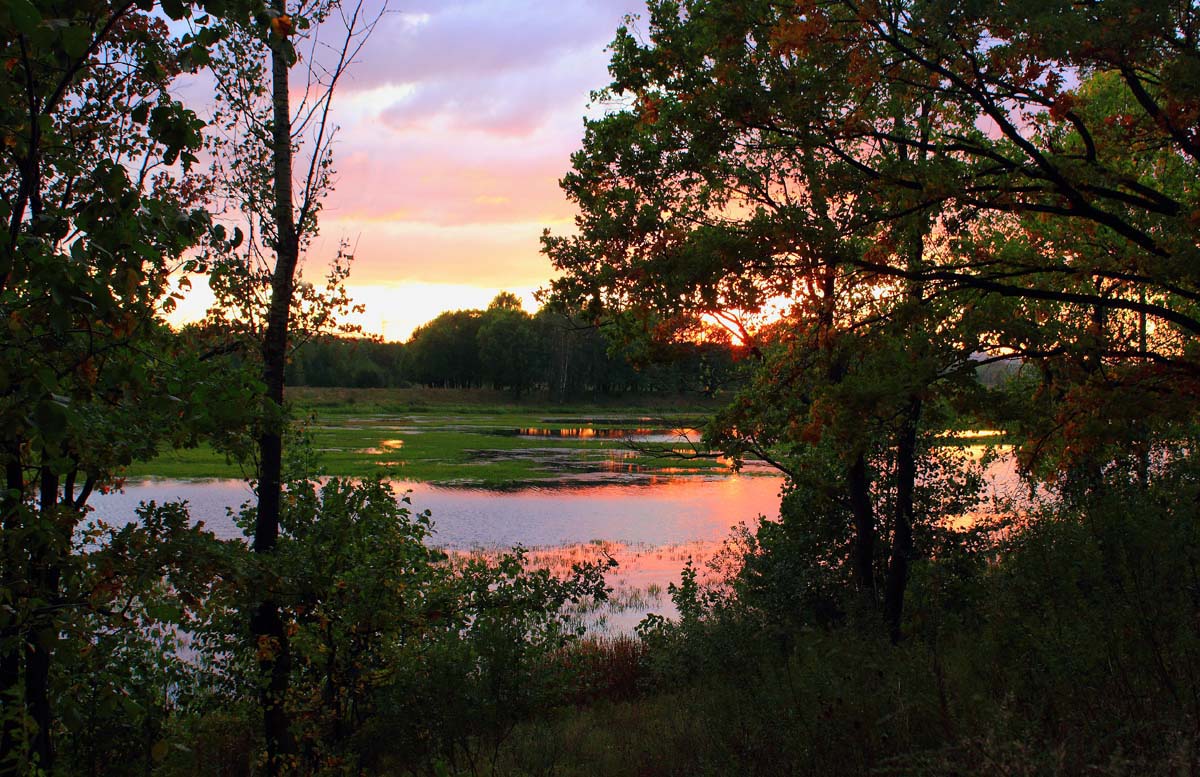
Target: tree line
508, 349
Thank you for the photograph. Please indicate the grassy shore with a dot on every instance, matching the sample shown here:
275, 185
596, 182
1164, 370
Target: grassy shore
467, 436
470, 437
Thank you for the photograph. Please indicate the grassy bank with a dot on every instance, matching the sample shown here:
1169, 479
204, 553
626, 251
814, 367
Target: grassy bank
466, 436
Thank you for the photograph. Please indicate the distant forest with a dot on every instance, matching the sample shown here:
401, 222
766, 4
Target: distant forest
506, 348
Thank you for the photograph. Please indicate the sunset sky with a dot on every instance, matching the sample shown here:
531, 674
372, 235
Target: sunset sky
456, 122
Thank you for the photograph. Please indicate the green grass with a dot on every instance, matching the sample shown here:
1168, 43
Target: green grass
449, 436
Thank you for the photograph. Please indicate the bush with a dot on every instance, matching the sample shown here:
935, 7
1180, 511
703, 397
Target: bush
1065, 643
402, 656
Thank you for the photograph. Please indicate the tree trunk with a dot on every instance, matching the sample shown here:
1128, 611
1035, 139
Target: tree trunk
41, 634
859, 483
267, 625
11, 578
902, 547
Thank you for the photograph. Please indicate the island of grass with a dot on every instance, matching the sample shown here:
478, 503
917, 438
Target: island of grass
485, 438
474, 437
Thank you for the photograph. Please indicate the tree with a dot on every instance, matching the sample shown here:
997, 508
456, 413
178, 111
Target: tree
260, 283
921, 178
445, 351
505, 300
100, 201
508, 349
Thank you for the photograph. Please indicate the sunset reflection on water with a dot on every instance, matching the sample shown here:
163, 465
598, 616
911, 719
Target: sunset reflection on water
651, 524
640, 582
645, 434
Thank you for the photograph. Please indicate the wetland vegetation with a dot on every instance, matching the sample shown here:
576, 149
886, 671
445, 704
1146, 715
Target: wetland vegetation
484, 438
476, 437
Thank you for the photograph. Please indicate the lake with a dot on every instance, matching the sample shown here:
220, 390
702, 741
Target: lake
587, 489
652, 511
651, 525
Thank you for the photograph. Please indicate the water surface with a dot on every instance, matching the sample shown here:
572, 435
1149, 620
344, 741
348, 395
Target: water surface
652, 524
652, 511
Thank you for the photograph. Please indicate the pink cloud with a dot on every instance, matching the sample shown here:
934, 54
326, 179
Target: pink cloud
447, 40
457, 120
508, 103
391, 252
453, 180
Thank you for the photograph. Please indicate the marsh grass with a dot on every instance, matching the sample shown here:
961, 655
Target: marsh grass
450, 436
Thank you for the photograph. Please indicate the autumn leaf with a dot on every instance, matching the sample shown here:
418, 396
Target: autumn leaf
282, 25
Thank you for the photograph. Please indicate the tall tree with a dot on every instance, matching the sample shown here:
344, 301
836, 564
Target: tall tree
99, 203
256, 167
923, 177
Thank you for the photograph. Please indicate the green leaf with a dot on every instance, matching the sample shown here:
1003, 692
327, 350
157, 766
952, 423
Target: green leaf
173, 8
198, 56
50, 419
76, 41
24, 15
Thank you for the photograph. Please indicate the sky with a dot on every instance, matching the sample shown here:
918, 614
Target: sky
455, 123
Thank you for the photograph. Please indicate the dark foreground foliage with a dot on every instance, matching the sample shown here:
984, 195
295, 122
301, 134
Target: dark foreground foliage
1067, 646
1060, 641
400, 656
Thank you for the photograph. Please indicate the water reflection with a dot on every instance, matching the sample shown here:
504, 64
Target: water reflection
639, 583
385, 446
644, 434
651, 526
656, 511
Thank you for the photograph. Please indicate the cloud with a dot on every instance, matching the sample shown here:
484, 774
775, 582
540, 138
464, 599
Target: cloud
456, 122
507, 103
448, 40
475, 132
446, 178
490, 255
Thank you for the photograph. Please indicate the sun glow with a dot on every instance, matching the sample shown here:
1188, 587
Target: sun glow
391, 311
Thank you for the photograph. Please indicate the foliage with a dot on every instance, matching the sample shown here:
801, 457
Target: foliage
990, 181
1059, 644
445, 351
506, 348
402, 656
335, 362
126, 669
903, 193
101, 200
